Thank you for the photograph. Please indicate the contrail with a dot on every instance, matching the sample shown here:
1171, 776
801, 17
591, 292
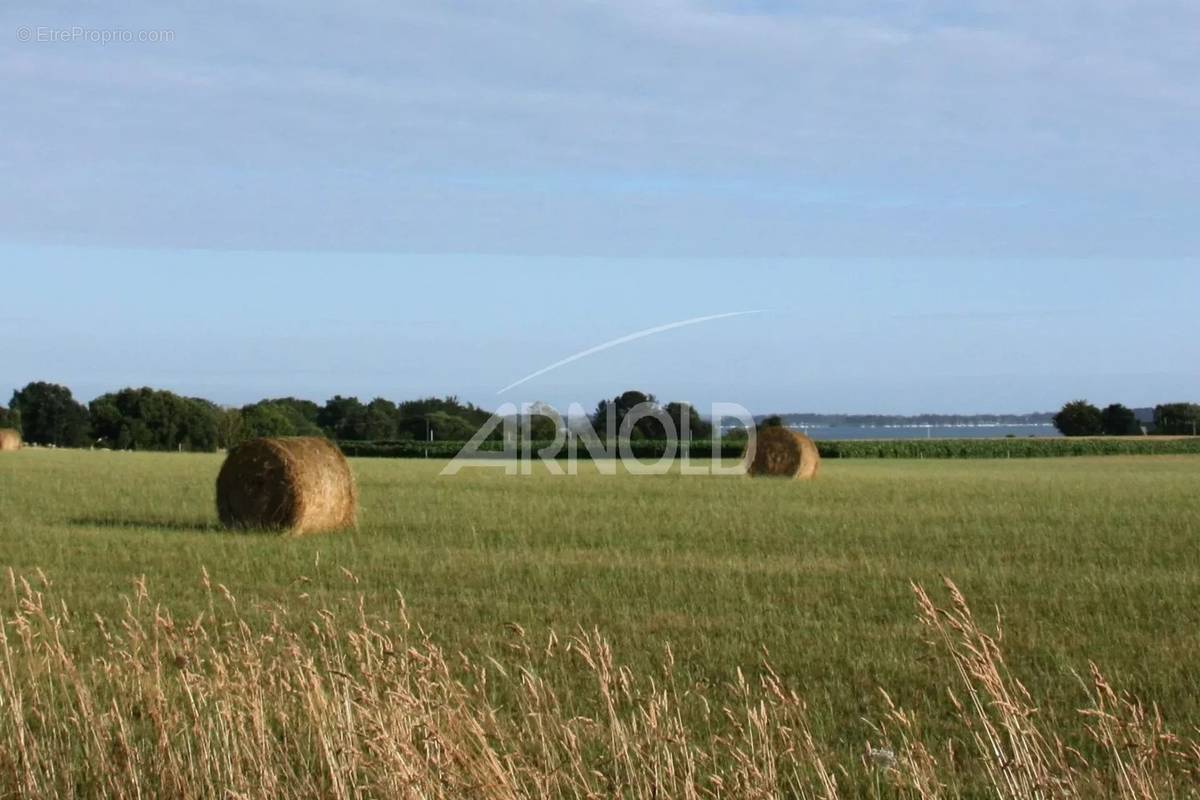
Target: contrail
625, 340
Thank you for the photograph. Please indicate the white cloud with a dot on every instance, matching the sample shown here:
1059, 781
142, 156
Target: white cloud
528, 127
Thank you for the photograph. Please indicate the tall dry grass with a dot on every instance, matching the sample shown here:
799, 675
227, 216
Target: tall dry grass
349, 707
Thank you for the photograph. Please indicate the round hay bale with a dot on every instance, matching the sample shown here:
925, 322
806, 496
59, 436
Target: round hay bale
9, 439
781, 452
297, 484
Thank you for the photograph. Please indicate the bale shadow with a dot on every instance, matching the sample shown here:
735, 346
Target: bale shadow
152, 523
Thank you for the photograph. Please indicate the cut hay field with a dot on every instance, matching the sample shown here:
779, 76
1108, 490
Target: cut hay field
1086, 559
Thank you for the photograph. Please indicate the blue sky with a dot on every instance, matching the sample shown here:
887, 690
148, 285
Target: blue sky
945, 206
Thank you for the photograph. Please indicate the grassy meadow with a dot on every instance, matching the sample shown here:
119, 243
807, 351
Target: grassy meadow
1084, 559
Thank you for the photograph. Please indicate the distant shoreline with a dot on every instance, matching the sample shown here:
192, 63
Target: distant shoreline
929, 431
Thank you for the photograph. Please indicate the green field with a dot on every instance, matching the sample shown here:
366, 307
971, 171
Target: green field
1085, 559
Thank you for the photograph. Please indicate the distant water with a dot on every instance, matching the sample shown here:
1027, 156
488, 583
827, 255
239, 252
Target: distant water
937, 432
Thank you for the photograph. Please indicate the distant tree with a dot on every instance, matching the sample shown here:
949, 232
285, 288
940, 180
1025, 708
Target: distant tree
697, 427
447, 427
298, 409
380, 420
736, 433
418, 426
1079, 418
543, 421
446, 418
10, 418
1179, 419
342, 417
230, 428
543, 428
277, 418
773, 421
50, 415
265, 419
447, 405
1117, 420
599, 419
200, 426
647, 427
154, 419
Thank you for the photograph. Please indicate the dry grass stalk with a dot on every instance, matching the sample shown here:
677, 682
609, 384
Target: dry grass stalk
354, 707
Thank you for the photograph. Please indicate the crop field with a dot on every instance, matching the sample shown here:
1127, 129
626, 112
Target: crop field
1083, 560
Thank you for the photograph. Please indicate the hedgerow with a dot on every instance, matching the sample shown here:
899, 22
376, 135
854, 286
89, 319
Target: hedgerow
868, 448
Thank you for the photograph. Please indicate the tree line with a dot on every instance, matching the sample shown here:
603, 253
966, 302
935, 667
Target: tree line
911, 420
1081, 418
683, 418
156, 419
